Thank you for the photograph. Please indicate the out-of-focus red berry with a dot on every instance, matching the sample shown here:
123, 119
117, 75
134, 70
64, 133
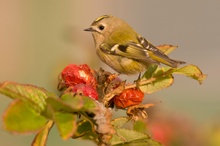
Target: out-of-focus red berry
128, 98
78, 74
85, 90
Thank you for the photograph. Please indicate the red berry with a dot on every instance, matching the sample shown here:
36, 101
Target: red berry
128, 98
78, 74
85, 90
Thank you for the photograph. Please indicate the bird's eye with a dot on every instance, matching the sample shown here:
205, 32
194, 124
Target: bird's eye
101, 27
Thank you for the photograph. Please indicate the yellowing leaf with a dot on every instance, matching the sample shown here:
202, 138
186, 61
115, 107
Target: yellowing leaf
41, 138
191, 71
20, 118
166, 49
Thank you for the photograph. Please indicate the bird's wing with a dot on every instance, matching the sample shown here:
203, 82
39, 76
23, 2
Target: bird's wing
152, 50
142, 51
158, 55
129, 50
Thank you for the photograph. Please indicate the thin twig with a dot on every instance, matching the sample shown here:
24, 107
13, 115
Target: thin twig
143, 82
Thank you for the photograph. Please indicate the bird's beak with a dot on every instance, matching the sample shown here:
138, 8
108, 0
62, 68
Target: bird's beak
89, 29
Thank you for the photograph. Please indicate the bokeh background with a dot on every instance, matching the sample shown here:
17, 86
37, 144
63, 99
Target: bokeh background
38, 38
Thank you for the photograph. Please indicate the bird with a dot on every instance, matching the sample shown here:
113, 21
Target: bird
119, 46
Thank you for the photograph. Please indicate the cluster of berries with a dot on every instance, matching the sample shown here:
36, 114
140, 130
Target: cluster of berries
81, 79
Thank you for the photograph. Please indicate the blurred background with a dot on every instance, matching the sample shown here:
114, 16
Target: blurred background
39, 38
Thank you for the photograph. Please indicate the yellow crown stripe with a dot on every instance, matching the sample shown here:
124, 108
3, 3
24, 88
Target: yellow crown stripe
100, 18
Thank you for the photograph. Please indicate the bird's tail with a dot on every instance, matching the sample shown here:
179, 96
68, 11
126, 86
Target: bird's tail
173, 63
164, 59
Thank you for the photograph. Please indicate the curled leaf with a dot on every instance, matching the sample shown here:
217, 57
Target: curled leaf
191, 71
166, 49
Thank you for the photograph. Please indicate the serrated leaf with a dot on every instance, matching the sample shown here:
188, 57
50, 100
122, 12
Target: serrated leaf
167, 49
119, 122
78, 102
191, 71
20, 118
158, 84
126, 135
66, 124
160, 79
69, 103
142, 142
56, 105
41, 137
34, 96
154, 80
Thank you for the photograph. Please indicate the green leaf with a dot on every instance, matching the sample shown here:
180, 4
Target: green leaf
83, 127
56, 105
119, 122
125, 136
140, 125
78, 102
85, 130
191, 71
156, 79
34, 96
66, 124
20, 118
151, 69
142, 142
70, 103
41, 137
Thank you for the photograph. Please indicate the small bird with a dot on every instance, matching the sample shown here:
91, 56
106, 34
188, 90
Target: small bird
119, 46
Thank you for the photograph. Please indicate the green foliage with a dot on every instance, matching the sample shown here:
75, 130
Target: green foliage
35, 110
156, 79
32, 95
20, 118
66, 124
159, 78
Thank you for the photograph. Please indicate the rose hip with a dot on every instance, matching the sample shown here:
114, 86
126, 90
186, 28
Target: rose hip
128, 98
